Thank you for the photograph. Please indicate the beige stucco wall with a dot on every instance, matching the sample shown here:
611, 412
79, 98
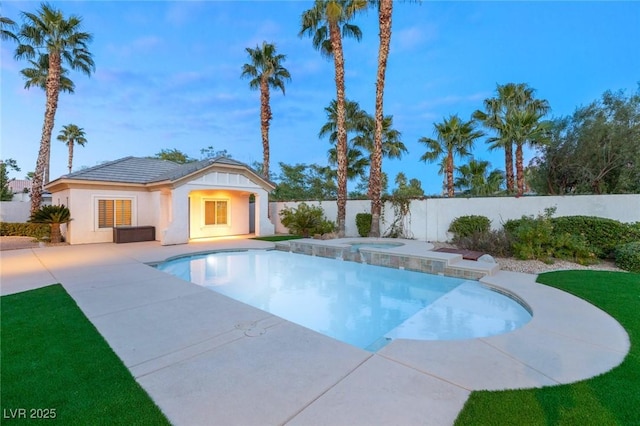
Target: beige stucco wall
168, 208
238, 214
430, 218
82, 205
186, 199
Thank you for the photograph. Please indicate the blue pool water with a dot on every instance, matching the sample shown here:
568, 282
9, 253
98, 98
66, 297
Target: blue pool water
363, 305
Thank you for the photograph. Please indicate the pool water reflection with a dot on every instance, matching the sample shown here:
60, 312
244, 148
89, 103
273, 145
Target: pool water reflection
359, 304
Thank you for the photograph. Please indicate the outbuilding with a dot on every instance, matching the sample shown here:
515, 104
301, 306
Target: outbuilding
182, 202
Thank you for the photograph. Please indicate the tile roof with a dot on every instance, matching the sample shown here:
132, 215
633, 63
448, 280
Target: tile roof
145, 170
186, 169
19, 185
127, 169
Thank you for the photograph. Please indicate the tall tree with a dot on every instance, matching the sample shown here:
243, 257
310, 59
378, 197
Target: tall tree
385, 11
211, 152
355, 119
527, 128
454, 137
174, 155
596, 150
392, 146
407, 189
514, 115
7, 26
48, 32
327, 22
71, 134
304, 182
494, 118
5, 192
265, 71
357, 163
37, 77
474, 178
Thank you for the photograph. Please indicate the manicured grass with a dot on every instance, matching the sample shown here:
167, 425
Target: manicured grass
275, 238
612, 398
55, 363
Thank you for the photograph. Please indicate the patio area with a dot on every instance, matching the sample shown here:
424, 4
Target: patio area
208, 359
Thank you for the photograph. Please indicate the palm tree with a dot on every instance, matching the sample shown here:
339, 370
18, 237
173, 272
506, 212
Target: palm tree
505, 114
37, 77
453, 137
354, 120
266, 71
385, 9
327, 22
357, 163
47, 32
6, 27
72, 134
473, 178
392, 146
54, 216
526, 127
494, 117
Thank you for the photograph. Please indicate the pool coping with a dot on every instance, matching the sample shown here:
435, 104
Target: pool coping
202, 356
412, 255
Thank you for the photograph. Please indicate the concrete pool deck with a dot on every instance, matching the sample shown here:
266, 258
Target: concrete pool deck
208, 359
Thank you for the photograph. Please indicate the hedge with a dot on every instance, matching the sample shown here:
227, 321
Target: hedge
465, 226
38, 231
363, 223
628, 256
601, 235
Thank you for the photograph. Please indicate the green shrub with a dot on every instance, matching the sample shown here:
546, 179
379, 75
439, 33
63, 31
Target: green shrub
628, 256
574, 248
511, 225
363, 222
601, 235
306, 220
54, 216
496, 243
36, 230
538, 238
533, 239
465, 226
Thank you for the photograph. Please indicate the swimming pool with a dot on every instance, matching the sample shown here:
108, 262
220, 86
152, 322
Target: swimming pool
363, 305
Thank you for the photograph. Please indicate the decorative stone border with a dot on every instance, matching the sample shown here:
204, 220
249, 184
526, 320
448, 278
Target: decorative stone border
411, 255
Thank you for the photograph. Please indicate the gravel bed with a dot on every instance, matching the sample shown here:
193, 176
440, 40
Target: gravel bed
537, 267
18, 243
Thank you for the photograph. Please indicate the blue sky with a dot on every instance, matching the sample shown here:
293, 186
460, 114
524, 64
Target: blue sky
168, 75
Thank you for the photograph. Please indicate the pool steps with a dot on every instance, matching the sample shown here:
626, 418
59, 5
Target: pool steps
412, 255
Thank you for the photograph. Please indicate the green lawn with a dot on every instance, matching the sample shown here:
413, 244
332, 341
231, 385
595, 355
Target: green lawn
612, 398
54, 363
54, 359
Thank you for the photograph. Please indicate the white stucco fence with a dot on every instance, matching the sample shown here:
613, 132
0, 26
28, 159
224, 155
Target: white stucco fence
430, 218
14, 211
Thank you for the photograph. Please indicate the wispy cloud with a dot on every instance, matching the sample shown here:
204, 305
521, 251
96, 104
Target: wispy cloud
453, 99
181, 13
410, 38
141, 45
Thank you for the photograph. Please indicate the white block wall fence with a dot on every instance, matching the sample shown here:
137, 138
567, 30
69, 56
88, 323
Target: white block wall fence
431, 217
14, 211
